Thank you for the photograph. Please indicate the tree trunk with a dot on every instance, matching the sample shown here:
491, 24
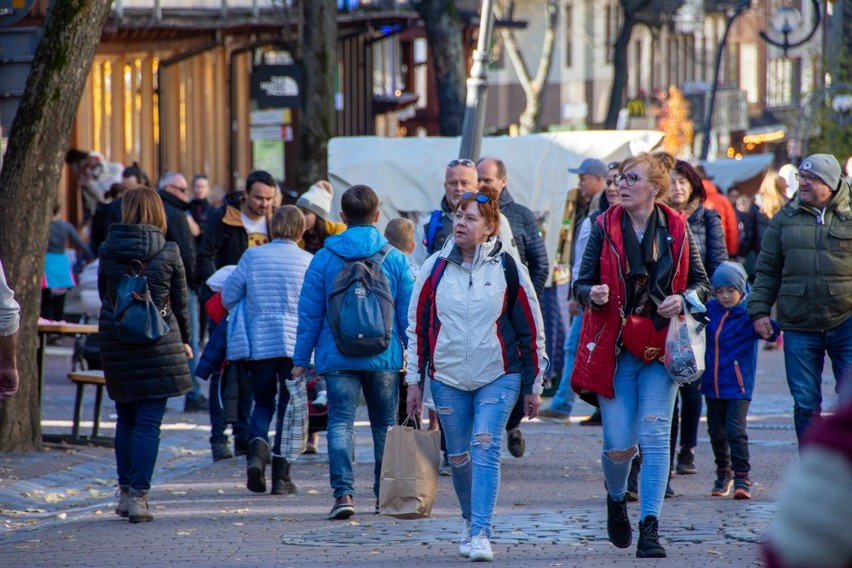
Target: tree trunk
319, 61
444, 33
619, 70
28, 182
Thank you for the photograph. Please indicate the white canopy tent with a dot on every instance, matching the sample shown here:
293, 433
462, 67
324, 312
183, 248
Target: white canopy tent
728, 172
408, 173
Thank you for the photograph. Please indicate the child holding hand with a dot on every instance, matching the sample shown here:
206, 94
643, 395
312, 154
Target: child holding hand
728, 380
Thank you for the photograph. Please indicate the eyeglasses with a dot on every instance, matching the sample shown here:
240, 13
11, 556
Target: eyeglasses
480, 197
463, 162
180, 188
631, 179
806, 177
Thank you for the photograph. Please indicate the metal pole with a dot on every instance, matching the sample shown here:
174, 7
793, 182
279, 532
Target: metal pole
477, 87
708, 117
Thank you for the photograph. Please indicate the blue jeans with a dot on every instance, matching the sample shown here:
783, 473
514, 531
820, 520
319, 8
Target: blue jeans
267, 382
563, 400
640, 412
804, 357
381, 391
473, 423
194, 343
137, 441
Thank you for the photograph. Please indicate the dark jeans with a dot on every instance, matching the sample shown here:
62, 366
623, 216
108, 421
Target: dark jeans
688, 417
217, 414
267, 383
137, 441
381, 392
726, 424
52, 305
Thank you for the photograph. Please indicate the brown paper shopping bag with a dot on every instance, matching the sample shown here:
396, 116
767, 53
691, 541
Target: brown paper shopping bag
409, 479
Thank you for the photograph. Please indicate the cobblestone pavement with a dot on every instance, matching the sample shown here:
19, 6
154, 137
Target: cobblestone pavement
56, 506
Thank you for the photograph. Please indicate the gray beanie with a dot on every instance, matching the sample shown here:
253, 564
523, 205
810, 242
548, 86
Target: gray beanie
730, 274
825, 167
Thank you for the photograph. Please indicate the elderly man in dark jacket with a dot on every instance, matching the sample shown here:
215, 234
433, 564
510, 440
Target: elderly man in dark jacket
805, 264
492, 174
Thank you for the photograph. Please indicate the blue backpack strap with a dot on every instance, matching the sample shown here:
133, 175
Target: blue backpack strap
435, 225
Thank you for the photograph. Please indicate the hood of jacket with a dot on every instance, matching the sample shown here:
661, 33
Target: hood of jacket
839, 203
359, 241
129, 242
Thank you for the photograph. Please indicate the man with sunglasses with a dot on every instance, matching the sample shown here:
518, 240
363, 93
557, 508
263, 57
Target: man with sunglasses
805, 263
460, 177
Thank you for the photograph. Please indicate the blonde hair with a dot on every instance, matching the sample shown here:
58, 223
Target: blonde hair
658, 165
142, 206
288, 222
773, 193
400, 233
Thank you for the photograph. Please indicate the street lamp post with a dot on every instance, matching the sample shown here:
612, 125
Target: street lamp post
477, 87
785, 21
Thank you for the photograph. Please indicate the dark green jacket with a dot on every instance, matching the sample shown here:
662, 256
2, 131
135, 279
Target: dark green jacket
805, 263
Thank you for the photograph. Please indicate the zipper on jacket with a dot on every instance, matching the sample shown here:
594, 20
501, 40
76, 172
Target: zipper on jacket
716, 354
739, 376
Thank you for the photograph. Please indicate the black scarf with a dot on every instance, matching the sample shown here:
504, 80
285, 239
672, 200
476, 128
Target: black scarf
641, 261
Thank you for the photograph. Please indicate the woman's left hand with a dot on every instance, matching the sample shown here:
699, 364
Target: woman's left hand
532, 403
671, 306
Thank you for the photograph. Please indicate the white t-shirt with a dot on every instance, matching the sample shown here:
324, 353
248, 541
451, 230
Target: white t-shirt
255, 229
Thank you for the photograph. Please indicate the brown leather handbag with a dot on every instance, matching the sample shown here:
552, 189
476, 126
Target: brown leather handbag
643, 339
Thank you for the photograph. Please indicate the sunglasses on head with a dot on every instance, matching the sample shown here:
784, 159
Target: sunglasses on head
463, 162
480, 197
612, 165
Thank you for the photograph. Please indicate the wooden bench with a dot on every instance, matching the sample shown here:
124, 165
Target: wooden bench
81, 379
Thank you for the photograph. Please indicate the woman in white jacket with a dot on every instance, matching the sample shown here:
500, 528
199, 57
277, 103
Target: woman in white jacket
475, 328
268, 280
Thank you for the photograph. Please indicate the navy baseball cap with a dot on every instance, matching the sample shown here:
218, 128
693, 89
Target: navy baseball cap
590, 166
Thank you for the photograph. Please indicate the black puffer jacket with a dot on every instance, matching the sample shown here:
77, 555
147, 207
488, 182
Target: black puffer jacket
156, 370
528, 240
706, 227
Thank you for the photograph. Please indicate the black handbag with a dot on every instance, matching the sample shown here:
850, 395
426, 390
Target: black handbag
136, 317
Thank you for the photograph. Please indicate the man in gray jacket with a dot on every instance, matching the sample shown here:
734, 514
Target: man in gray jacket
805, 264
9, 321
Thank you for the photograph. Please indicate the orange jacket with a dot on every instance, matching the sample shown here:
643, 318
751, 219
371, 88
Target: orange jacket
730, 224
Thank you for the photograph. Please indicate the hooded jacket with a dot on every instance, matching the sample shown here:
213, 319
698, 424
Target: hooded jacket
730, 224
731, 355
805, 263
460, 325
679, 271
314, 332
528, 239
137, 372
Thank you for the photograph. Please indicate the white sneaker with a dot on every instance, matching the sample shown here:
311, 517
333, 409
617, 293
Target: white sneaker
480, 548
464, 543
321, 399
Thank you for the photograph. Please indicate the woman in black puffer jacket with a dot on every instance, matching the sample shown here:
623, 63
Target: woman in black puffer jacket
140, 378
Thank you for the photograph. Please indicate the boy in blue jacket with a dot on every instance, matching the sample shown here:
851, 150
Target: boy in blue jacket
728, 381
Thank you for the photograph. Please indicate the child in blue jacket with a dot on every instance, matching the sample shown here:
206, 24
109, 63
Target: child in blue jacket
728, 380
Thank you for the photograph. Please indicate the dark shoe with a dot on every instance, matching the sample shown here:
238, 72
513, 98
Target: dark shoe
685, 462
445, 469
377, 511
742, 486
649, 542
550, 415
669, 491
617, 523
240, 446
200, 404
593, 420
122, 509
138, 511
516, 443
221, 451
343, 508
724, 482
281, 482
258, 457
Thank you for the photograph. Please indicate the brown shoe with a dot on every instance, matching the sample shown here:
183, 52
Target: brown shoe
122, 509
343, 508
138, 511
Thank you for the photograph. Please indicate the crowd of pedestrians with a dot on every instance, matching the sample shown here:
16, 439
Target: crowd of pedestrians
456, 298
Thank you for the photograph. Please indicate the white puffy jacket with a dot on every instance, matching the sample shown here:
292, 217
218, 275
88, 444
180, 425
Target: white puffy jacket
465, 330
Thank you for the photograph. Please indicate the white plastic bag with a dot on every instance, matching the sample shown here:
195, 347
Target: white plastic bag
685, 346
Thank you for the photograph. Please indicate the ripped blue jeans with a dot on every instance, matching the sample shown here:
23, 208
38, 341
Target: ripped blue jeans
640, 413
473, 423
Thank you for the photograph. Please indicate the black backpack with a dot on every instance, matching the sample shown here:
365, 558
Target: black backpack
137, 319
360, 308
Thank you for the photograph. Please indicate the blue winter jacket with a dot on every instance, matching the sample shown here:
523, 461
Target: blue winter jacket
314, 332
269, 279
731, 356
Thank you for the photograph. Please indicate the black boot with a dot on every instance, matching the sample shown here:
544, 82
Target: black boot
258, 457
281, 483
617, 523
649, 542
